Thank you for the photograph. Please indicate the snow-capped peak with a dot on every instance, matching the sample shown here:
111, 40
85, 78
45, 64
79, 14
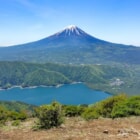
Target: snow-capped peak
70, 27
71, 30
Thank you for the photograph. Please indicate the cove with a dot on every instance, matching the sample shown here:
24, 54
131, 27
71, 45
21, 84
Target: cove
73, 94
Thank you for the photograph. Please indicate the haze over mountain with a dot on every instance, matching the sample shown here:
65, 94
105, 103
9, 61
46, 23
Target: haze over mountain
72, 45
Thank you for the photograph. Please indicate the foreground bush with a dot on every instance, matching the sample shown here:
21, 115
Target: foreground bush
116, 106
3, 115
128, 108
6, 115
90, 113
12, 115
73, 110
49, 115
103, 108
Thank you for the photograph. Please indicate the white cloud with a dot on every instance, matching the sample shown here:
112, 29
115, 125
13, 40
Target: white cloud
41, 10
26, 3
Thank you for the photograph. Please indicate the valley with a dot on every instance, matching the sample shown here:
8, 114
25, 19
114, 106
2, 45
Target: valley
72, 55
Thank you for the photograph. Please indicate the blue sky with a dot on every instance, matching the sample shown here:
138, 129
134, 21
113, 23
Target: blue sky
24, 21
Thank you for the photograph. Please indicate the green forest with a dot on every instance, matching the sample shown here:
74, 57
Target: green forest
113, 79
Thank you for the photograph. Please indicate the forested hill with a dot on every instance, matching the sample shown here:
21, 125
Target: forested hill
108, 78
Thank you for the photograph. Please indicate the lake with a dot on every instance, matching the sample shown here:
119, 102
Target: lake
74, 94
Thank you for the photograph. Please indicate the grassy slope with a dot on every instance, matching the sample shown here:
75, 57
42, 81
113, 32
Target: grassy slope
77, 129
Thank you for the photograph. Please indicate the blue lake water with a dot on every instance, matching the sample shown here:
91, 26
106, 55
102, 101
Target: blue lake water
74, 94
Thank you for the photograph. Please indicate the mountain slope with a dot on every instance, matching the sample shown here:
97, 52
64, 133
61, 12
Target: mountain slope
72, 45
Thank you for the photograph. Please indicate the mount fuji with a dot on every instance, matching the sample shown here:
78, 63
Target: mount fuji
72, 46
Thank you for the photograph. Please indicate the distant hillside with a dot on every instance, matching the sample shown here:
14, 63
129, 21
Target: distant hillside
17, 106
72, 46
112, 79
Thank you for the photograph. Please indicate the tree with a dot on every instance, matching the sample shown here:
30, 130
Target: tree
49, 115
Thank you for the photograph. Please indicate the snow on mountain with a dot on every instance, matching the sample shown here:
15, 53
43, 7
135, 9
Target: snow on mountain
71, 27
71, 30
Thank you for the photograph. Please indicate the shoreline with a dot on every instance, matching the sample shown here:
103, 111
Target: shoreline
31, 87
56, 86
